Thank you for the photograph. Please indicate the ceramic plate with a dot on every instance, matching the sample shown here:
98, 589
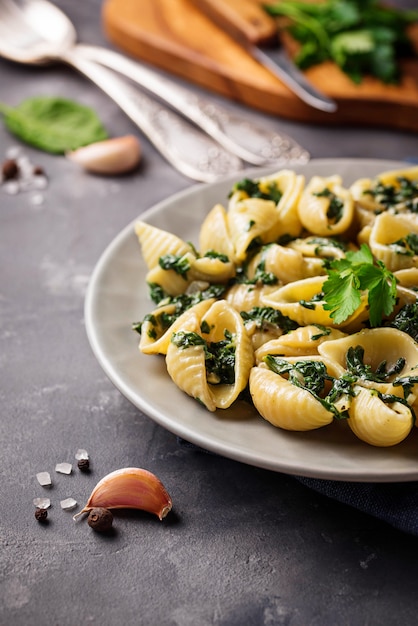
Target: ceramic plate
118, 295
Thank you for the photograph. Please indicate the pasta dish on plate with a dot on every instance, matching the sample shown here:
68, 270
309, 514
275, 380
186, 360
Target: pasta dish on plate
300, 297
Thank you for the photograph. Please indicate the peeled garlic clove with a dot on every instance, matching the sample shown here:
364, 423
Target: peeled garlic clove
130, 488
111, 156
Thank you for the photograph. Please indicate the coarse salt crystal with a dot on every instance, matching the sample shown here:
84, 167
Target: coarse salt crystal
13, 152
24, 164
37, 199
42, 503
64, 468
81, 454
44, 479
68, 504
11, 187
40, 182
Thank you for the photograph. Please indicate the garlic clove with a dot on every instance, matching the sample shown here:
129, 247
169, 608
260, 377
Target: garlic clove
130, 488
111, 156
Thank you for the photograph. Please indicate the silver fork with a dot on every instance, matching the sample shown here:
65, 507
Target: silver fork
253, 143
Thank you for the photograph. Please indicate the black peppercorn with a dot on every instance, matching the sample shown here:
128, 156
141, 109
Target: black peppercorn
10, 169
41, 515
83, 465
38, 171
100, 519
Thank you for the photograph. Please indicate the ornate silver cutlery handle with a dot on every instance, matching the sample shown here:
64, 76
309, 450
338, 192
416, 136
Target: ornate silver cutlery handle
254, 143
190, 151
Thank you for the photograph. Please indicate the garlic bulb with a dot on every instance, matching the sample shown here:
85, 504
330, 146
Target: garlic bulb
130, 488
111, 156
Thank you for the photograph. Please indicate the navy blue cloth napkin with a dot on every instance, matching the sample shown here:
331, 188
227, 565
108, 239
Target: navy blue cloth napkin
393, 503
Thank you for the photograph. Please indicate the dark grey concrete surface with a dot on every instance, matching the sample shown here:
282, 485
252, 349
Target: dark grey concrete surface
243, 546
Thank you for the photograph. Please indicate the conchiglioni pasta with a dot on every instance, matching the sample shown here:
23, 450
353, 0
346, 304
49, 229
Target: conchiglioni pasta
249, 220
394, 241
156, 330
285, 263
303, 341
326, 208
286, 405
214, 233
291, 187
379, 346
187, 355
377, 422
156, 243
384, 193
288, 187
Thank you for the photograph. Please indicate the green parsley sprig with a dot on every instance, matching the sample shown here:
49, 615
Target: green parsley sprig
349, 278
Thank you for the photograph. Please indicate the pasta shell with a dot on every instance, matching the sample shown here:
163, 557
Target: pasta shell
318, 248
387, 231
365, 203
248, 220
155, 336
376, 422
221, 317
291, 186
171, 281
244, 297
379, 345
156, 243
214, 233
407, 286
287, 264
302, 341
187, 368
314, 209
213, 270
369, 203
283, 404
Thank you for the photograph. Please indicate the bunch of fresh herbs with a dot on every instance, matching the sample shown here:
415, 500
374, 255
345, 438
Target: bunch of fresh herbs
363, 37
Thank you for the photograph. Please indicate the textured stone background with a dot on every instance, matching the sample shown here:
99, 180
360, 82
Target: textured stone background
243, 546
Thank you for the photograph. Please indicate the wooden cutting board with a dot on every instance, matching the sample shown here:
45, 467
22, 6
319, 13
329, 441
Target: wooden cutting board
175, 36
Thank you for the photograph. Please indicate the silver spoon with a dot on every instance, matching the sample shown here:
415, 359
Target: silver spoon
38, 33
56, 37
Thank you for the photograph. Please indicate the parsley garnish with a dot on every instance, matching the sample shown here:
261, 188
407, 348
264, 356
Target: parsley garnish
353, 276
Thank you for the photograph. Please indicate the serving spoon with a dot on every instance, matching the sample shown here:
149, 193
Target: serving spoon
37, 32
